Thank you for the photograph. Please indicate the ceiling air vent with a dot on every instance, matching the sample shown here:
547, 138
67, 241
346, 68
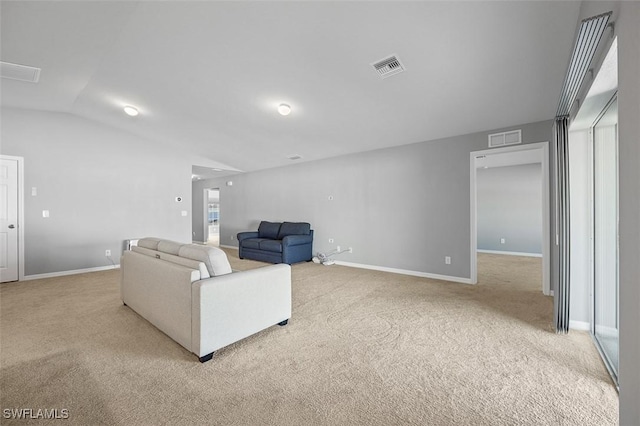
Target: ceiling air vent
511, 137
19, 72
388, 66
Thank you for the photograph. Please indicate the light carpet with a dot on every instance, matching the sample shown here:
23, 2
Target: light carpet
362, 348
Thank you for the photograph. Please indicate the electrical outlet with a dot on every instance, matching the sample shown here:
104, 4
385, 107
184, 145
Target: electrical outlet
447, 260
338, 248
350, 249
107, 253
503, 240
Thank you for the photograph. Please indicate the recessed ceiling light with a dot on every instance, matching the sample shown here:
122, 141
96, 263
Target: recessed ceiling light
284, 109
132, 111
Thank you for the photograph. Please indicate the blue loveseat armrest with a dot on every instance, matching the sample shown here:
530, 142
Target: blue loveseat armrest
296, 240
245, 235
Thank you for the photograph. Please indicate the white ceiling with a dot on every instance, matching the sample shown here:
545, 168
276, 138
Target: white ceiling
207, 76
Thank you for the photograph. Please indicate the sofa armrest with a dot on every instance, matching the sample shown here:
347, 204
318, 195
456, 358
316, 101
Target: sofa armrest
244, 235
297, 240
231, 307
160, 292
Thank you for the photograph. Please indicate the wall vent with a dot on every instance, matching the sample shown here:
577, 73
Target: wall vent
512, 137
19, 72
388, 66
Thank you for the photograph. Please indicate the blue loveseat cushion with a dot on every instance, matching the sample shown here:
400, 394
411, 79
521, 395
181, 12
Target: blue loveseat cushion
271, 245
269, 230
253, 243
294, 228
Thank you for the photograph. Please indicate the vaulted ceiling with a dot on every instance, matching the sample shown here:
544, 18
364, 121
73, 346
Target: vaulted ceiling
207, 77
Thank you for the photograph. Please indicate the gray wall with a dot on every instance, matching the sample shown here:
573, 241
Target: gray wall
101, 186
509, 201
405, 207
628, 32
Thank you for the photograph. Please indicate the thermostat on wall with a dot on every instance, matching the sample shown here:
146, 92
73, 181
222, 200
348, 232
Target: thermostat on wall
178, 199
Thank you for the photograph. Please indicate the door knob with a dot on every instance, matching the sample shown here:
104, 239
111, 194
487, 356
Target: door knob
11, 226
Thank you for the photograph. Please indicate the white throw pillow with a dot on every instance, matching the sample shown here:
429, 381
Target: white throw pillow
149, 243
170, 247
184, 261
214, 258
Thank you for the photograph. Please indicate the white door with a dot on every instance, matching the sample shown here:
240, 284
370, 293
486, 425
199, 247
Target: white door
8, 220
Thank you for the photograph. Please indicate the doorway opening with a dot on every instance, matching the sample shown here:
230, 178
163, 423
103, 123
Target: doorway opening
528, 242
12, 218
212, 216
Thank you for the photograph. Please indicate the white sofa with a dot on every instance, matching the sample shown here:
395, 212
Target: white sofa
190, 293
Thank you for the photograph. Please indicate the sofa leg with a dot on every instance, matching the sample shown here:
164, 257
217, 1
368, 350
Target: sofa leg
206, 357
282, 323
124, 303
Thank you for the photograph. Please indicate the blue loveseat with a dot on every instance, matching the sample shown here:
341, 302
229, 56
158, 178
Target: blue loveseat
275, 242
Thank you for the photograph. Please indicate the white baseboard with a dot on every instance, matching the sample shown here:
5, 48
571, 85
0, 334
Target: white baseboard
72, 272
579, 325
510, 253
607, 331
552, 293
229, 247
405, 272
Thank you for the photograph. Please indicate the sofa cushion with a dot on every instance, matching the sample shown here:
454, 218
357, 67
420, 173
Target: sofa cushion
269, 230
294, 228
149, 243
214, 258
271, 245
170, 247
184, 261
252, 243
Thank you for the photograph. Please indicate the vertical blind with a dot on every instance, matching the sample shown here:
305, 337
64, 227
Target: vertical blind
562, 293
589, 36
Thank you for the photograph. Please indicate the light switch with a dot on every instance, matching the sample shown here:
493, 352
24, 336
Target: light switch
34, 191
45, 213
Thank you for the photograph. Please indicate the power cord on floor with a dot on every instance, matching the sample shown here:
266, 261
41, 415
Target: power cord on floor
325, 258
